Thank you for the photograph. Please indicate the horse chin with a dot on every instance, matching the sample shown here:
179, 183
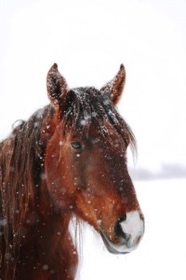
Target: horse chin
120, 248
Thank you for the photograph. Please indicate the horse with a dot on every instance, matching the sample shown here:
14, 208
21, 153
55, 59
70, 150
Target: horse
68, 160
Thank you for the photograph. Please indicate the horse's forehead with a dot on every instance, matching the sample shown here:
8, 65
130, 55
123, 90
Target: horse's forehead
106, 133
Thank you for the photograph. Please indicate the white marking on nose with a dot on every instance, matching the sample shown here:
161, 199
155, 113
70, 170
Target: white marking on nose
133, 227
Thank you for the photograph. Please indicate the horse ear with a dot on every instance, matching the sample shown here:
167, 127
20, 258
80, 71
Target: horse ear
56, 86
115, 87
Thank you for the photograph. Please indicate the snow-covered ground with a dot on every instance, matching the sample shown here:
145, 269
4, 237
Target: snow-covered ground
162, 252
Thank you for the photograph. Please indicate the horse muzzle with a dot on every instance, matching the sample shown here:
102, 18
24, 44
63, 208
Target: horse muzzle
129, 231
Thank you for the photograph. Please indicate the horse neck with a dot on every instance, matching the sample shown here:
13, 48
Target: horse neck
51, 219
48, 242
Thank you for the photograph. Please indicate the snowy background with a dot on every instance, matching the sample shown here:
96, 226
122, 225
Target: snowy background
89, 40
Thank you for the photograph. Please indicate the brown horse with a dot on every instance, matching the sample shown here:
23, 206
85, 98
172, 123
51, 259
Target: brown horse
68, 159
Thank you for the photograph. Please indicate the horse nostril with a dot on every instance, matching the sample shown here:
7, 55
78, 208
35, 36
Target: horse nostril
131, 229
120, 220
118, 229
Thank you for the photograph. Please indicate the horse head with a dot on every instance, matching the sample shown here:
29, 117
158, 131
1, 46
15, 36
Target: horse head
85, 160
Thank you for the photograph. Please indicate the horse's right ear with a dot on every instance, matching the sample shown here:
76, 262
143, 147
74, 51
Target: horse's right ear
56, 86
114, 88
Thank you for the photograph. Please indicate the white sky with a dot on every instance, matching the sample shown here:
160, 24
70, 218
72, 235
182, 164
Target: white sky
89, 40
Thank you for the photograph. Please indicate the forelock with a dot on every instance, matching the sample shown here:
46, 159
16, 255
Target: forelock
88, 106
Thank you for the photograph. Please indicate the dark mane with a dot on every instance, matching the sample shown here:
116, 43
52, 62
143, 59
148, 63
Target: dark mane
86, 106
21, 168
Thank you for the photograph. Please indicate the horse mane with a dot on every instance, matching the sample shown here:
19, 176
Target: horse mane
21, 167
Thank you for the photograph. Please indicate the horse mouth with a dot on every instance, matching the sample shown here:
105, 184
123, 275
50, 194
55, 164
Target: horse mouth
128, 231
123, 247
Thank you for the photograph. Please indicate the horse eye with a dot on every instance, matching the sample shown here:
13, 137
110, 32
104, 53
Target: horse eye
76, 145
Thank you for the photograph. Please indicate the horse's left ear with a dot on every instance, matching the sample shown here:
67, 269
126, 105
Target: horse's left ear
56, 86
115, 87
